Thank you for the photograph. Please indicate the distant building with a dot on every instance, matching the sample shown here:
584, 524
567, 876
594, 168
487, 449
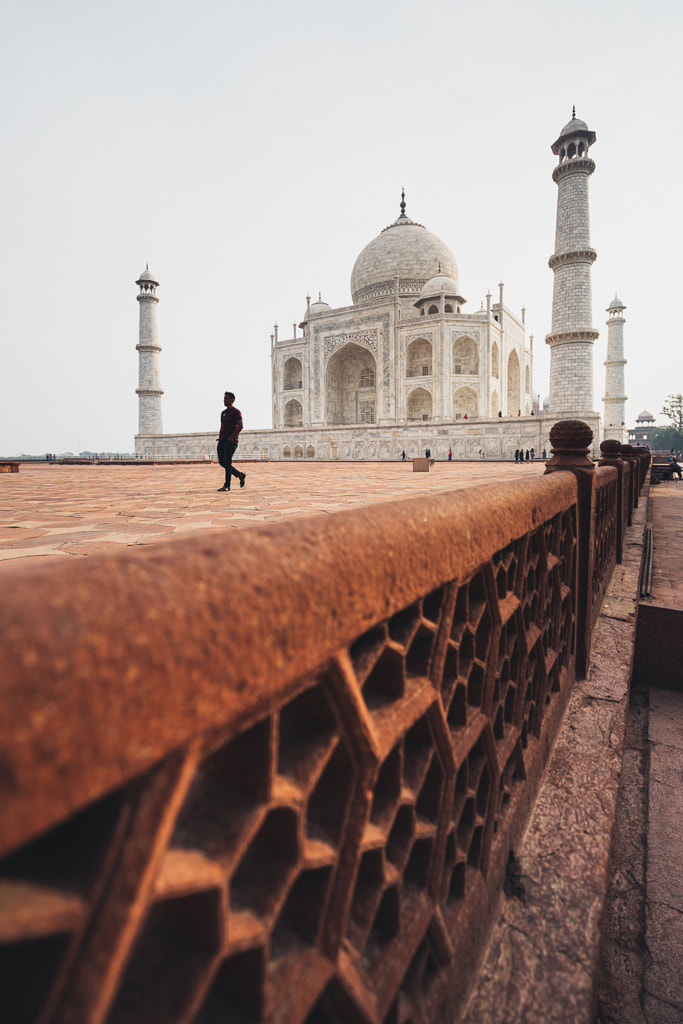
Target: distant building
644, 429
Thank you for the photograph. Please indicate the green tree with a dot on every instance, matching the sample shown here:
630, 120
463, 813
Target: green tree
673, 410
670, 437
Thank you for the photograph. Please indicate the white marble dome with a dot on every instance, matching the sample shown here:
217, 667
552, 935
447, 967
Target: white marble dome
404, 248
147, 275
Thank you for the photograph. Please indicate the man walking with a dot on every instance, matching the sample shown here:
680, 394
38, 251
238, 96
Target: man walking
228, 439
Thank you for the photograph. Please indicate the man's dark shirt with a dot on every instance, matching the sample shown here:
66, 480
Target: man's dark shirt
231, 424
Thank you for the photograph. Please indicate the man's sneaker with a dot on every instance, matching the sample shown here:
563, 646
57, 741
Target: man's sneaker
224, 488
243, 479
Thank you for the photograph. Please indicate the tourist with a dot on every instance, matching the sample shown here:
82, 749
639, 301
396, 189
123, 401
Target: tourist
403, 456
544, 456
516, 454
675, 468
532, 453
526, 457
450, 454
228, 439
500, 414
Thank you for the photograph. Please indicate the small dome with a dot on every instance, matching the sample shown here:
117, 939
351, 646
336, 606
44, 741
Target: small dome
644, 415
575, 125
320, 306
616, 303
147, 275
436, 285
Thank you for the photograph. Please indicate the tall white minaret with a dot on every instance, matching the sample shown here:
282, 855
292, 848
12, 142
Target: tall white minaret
149, 381
615, 399
572, 335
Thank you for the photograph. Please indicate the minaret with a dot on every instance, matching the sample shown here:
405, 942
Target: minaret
149, 390
572, 334
615, 399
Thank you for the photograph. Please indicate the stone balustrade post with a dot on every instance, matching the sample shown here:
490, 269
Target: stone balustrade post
570, 442
610, 451
645, 460
630, 453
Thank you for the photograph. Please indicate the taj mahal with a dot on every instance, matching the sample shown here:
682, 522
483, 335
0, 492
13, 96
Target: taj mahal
405, 367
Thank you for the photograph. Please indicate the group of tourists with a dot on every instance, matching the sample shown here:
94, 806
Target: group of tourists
528, 455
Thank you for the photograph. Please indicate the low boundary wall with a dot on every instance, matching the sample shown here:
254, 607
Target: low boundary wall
277, 776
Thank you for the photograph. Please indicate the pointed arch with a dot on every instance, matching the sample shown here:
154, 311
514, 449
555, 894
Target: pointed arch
419, 405
293, 378
465, 403
294, 414
513, 383
527, 380
465, 355
350, 386
495, 403
419, 358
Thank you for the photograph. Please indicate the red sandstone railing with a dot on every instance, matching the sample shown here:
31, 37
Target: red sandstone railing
277, 776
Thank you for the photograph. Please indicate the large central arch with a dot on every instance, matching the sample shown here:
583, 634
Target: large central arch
351, 386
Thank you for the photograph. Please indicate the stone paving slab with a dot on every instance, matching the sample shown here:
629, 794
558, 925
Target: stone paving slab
54, 511
667, 519
664, 885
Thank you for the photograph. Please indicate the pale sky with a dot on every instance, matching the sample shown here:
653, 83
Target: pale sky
249, 152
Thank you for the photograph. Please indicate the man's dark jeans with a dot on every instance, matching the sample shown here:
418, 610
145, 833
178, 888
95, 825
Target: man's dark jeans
226, 452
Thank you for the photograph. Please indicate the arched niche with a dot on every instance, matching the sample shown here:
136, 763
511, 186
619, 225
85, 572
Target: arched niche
465, 356
350, 386
465, 403
294, 414
527, 380
419, 358
419, 405
310, 452
513, 384
298, 452
495, 403
293, 378
495, 361
286, 452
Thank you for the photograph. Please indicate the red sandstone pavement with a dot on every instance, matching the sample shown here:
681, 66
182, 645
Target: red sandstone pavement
664, 882
52, 512
667, 523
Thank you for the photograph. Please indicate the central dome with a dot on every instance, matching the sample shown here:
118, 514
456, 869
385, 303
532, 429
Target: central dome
405, 249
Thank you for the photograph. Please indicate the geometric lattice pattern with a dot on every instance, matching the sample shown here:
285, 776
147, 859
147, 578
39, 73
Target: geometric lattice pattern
324, 861
605, 538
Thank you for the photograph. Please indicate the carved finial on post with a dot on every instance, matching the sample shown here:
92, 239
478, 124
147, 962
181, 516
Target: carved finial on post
570, 443
610, 455
403, 202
